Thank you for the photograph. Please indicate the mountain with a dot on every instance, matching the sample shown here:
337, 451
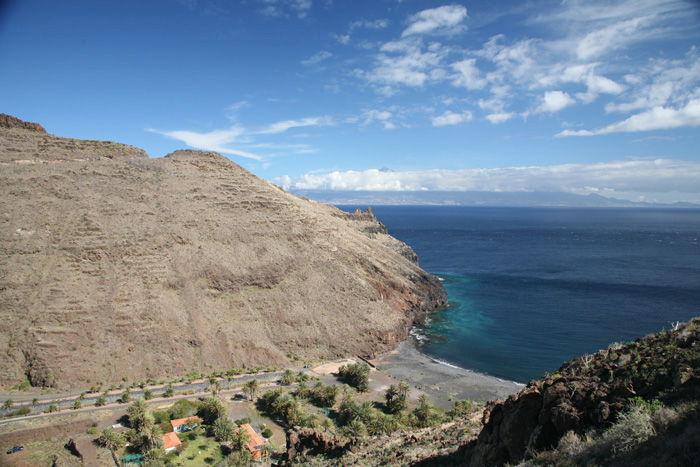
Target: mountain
474, 198
116, 266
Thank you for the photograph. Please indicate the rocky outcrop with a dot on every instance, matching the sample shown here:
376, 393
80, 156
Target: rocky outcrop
25, 143
8, 121
115, 266
306, 442
588, 393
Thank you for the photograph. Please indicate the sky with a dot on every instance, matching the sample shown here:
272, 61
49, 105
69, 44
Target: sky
567, 96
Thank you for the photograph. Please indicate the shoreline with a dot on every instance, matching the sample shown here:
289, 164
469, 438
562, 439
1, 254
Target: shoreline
443, 381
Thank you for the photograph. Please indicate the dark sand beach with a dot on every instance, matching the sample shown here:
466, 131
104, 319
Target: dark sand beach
444, 382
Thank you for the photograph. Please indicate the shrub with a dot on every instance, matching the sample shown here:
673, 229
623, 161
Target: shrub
183, 409
162, 416
631, 429
243, 421
19, 412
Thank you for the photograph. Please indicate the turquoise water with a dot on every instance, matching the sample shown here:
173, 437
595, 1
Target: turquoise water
531, 288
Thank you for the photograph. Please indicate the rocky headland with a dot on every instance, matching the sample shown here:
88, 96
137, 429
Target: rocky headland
115, 266
632, 404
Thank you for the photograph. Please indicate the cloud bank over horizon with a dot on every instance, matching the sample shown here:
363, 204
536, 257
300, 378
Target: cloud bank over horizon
605, 178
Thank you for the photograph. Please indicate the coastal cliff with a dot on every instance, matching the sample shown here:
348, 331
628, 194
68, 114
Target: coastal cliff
633, 404
118, 266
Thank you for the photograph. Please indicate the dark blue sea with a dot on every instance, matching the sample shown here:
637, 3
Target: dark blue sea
531, 288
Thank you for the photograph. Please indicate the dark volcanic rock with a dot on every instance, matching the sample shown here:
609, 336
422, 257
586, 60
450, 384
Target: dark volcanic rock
8, 121
304, 442
588, 393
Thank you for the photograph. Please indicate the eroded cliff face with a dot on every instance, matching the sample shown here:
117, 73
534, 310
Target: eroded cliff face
115, 265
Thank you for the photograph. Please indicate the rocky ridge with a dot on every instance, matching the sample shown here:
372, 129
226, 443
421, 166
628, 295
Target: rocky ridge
588, 393
583, 398
114, 265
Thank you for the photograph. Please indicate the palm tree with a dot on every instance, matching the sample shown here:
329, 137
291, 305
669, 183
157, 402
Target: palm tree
331, 395
266, 453
423, 399
215, 388
150, 438
366, 411
211, 409
392, 393
404, 388
303, 390
355, 429
327, 425
224, 429
313, 420
251, 388
111, 440
288, 377
241, 439
140, 415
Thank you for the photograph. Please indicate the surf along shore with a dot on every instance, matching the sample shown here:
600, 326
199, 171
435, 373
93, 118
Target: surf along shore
445, 383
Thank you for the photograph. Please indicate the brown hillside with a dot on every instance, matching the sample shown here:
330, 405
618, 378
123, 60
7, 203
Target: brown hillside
115, 265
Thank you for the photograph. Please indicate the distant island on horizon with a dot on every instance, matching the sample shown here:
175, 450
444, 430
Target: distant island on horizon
477, 198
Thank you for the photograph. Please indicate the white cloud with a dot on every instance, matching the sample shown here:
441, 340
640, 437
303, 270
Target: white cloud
469, 75
442, 19
342, 38
648, 176
404, 63
317, 58
371, 116
662, 82
497, 118
554, 101
212, 141
284, 7
365, 24
451, 118
583, 54
610, 38
285, 125
221, 140
657, 118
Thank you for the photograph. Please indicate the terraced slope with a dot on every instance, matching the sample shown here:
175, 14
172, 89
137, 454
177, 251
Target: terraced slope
114, 265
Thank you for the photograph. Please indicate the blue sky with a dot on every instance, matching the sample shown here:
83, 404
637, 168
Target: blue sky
576, 96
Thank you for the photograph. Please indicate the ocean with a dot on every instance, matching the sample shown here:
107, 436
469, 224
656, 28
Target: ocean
531, 288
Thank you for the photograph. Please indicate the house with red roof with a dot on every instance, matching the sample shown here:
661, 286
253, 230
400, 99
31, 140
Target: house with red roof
185, 424
170, 441
256, 442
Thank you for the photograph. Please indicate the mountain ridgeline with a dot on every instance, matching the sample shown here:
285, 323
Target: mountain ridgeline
114, 265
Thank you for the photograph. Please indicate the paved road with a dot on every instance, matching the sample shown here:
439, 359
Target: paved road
197, 388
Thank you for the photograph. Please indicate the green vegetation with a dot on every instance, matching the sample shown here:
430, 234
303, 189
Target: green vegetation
356, 375
19, 412
210, 409
251, 388
646, 434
